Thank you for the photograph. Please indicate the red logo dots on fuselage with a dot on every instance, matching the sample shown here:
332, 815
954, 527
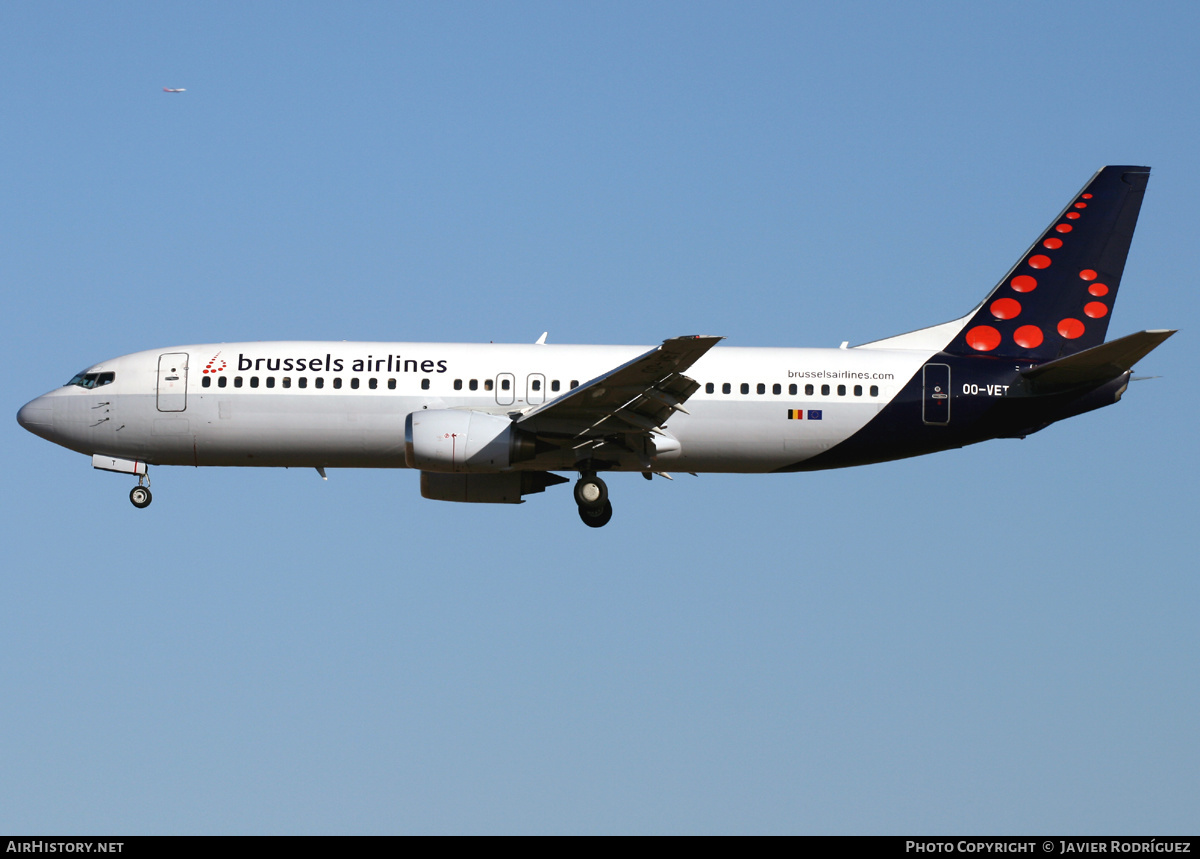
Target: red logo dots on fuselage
215, 364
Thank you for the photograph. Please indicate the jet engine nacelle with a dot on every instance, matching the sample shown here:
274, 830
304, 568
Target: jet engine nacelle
452, 440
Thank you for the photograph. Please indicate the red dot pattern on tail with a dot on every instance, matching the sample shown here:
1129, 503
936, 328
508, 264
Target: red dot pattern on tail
983, 338
1070, 328
1006, 308
986, 338
1028, 336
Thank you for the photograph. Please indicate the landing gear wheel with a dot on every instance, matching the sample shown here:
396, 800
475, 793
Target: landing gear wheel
140, 496
596, 517
591, 491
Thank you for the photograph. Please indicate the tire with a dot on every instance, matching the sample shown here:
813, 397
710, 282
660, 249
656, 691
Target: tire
140, 497
596, 517
591, 491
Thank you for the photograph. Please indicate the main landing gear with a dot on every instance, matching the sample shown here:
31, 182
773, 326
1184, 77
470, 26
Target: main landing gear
591, 494
140, 495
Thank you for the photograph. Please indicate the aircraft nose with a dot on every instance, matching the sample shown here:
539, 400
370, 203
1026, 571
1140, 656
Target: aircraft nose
37, 416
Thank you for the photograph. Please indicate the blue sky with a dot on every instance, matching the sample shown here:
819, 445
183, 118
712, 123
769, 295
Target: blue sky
995, 640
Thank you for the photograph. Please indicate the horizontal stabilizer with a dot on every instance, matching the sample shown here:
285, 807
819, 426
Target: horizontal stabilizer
1095, 365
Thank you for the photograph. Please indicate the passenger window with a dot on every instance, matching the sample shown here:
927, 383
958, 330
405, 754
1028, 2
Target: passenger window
824, 390
555, 385
302, 382
458, 384
574, 383
777, 388
726, 388
474, 385
487, 384
874, 390
270, 381
503, 384
287, 381
841, 390
372, 383
858, 390
537, 385
254, 381
206, 382
354, 383
237, 381
222, 381
762, 389
710, 388
745, 388
391, 384
808, 390
319, 382
425, 384
791, 390
337, 382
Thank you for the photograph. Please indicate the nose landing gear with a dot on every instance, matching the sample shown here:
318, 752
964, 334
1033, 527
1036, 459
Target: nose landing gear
140, 495
591, 494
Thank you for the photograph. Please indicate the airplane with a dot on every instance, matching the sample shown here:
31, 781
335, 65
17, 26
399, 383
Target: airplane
166, 89
492, 423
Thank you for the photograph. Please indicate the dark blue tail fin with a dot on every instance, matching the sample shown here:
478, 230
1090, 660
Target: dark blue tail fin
1057, 299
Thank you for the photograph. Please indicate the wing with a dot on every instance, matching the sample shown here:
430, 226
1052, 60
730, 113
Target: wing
636, 397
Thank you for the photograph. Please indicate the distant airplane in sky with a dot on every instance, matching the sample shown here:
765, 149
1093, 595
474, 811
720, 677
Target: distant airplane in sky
167, 89
492, 423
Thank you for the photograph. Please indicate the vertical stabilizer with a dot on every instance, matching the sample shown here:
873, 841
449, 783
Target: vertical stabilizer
1058, 297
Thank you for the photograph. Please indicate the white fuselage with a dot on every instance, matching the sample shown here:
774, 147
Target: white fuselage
320, 404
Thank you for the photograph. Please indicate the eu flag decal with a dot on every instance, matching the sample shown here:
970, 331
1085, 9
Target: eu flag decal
814, 414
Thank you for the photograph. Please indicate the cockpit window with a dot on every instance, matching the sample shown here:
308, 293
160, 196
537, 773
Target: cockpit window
91, 380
